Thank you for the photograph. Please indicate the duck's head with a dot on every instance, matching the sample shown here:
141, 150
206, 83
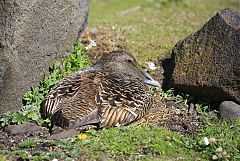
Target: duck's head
123, 61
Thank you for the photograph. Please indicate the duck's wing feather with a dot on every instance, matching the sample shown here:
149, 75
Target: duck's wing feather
67, 86
122, 100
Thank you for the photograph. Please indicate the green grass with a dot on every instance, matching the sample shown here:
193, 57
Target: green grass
143, 142
134, 143
153, 27
227, 137
224, 133
28, 143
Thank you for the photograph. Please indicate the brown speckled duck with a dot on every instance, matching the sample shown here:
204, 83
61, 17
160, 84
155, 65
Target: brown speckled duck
111, 93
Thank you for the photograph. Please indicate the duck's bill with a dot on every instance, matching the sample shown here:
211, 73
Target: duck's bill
153, 83
149, 80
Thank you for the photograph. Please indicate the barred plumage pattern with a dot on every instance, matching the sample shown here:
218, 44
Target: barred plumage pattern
100, 95
122, 100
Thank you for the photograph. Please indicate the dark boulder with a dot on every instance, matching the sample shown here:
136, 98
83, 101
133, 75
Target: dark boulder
32, 35
207, 63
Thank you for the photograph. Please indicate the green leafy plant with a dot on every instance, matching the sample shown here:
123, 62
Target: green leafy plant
170, 95
29, 143
27, 113
32, 99
75, 61
165, 95
218, 141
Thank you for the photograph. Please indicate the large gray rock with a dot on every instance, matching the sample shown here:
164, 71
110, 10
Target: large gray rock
32, 35
207, 63
229, 110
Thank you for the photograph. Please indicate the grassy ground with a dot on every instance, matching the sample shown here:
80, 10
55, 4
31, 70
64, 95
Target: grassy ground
135, 143
151, 28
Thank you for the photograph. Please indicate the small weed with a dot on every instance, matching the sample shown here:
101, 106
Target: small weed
29, 143
210, 139
39, 156
55, 155
206, 115
170, 95
27, 113
22, 155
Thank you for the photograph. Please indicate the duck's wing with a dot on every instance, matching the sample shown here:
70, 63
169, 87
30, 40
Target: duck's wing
72, 98
66, 87
122, 100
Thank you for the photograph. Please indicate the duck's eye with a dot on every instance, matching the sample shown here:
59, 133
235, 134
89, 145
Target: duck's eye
129, 61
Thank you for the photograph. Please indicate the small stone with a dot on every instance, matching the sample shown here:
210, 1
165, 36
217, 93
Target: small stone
229, 110
169, 104
191, 108
219, 150
214, 157
224, 153
178, 112
212, 140
174, 127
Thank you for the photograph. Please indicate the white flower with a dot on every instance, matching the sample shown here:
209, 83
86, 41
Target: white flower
55, 159
91, 45
205, 139
151, 65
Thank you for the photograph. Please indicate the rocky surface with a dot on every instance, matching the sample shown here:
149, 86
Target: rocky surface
229, 110
12, 135
64, 134
207, 63
25, 128
32, 35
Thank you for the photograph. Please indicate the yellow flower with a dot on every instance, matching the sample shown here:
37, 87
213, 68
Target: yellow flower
82, 136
